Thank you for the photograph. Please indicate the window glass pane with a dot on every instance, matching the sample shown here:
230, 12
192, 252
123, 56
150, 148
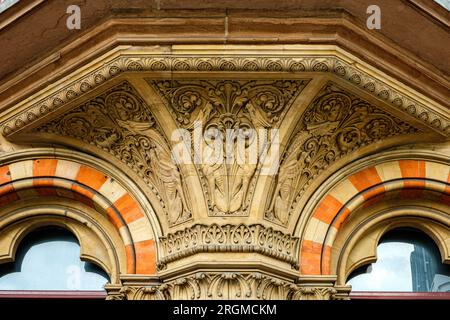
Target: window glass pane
50, 260
407, 261
444, 3
5, 4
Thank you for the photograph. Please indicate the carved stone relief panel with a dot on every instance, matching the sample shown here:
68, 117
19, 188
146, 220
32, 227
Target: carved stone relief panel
229, 109
120, 123
334, 125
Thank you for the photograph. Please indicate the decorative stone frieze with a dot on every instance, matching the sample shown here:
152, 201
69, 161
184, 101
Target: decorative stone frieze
151, 63
334, 125
227, 285
120, 123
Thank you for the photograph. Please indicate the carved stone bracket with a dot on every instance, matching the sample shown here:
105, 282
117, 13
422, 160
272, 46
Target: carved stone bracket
229, 238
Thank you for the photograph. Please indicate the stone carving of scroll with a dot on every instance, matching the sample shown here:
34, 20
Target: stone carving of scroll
120, 123
335, 124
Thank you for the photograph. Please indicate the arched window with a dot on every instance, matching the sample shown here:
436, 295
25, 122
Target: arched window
49, 259
407, 261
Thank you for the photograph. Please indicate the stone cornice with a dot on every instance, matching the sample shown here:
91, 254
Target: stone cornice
17, 11
328, 61
295, 23
433, 9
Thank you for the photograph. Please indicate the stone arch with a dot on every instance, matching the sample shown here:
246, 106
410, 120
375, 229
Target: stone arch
96, 187
98, 244
401, 179
357, 246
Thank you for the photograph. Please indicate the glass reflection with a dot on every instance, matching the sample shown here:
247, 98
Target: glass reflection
50, 260
407, 261
444, 3
6, 4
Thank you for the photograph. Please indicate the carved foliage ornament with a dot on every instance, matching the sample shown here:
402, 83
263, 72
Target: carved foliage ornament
229, 285
229, 110
288, 64
119, 122
229, 238
335, 124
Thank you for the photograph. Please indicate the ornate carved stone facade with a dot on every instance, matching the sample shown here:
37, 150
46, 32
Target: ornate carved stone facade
336, 124
120, 123
219, 107
230, 285
87, 141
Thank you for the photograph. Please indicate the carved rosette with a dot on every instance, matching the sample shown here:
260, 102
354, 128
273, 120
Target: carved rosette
231, 110
120, 123
334, 125
229, 238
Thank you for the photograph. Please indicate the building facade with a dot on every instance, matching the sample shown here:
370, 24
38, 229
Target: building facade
204, 150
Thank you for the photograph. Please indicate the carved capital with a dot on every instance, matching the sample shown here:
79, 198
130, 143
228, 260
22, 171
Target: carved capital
155, 292
228, 285
314, 293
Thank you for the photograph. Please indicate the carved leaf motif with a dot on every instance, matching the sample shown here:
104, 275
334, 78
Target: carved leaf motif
241, 235
335, 124
120, 123
229, 238
215, 234
226, 285
224, 105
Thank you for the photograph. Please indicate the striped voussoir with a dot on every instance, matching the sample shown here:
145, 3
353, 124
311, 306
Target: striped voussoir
401, 179
68, 179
